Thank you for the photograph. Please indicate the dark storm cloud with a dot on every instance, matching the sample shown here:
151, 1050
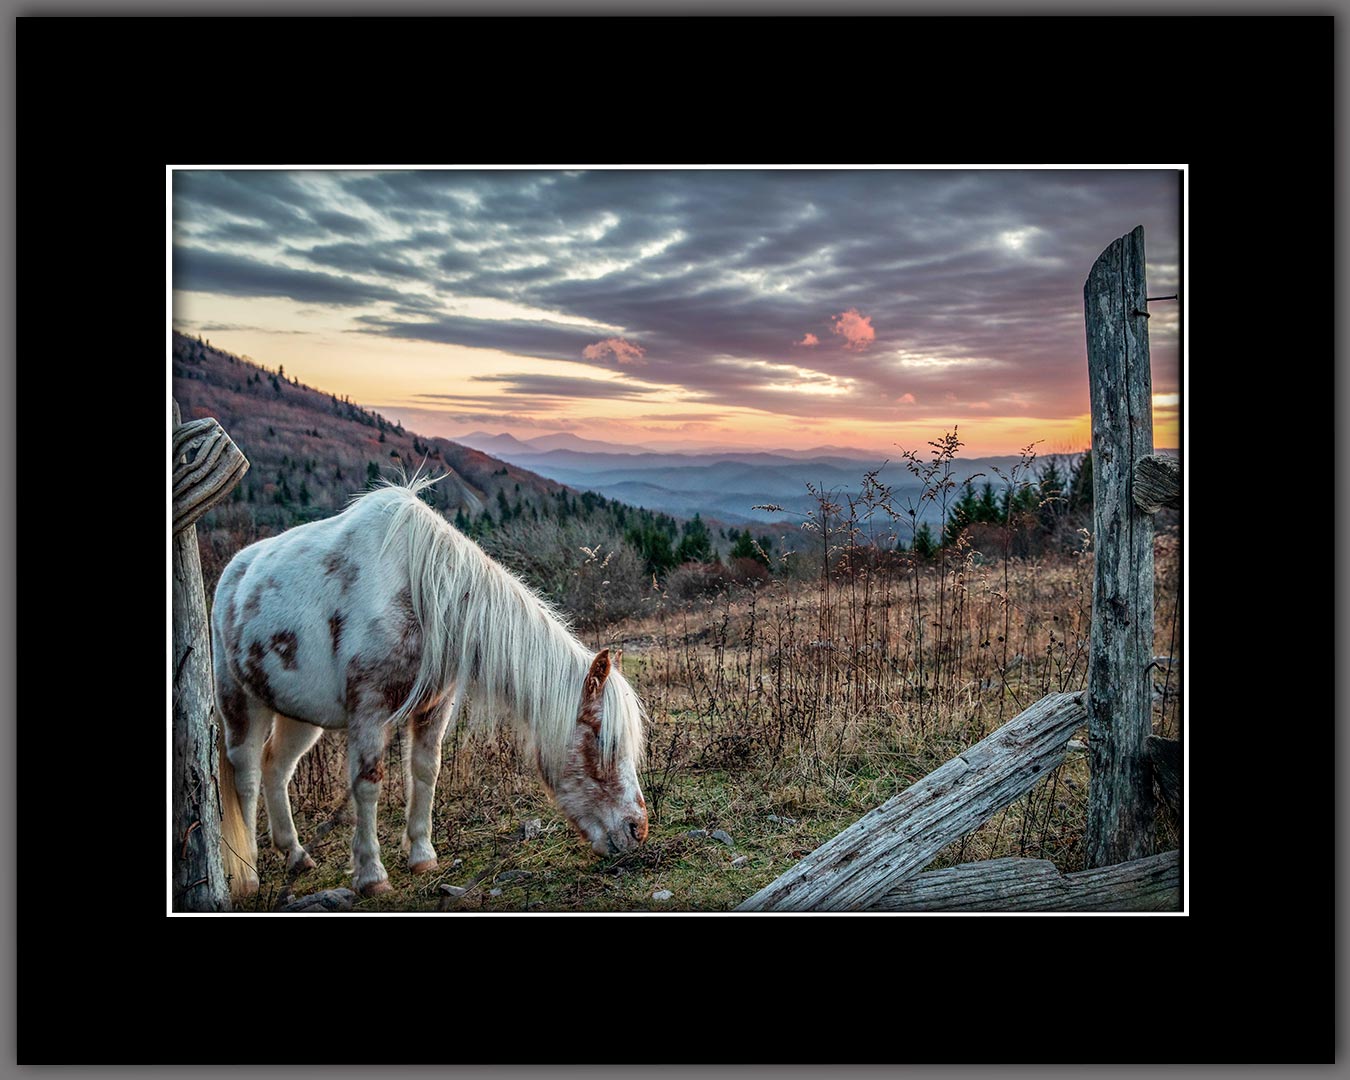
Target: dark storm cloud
717, 274
217, 272
684, 417
453, 261
242, 232
221, 328
274, 197
550, 341
567, 386
358, 258
338, 222
492, 418
275, 201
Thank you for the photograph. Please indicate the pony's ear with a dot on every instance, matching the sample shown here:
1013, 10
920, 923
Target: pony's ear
595, 678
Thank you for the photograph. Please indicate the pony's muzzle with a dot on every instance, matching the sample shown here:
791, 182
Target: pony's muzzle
631, 835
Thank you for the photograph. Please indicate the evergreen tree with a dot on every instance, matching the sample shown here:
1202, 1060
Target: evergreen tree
653, 545
963, 514
1052, 490
987, 511
744, 548
1080, 485
923, 542
1016, 500
695, 543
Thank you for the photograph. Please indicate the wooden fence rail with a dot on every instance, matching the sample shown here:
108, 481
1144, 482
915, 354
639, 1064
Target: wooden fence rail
1149, 884
858, 867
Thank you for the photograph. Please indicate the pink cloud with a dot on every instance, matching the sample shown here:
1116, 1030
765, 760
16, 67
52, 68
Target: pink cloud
810, 339
906, 399
855, 328
625, 352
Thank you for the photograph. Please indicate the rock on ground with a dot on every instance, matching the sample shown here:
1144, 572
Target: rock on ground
328, 900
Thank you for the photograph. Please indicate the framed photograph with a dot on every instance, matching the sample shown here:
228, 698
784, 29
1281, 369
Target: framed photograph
677, 519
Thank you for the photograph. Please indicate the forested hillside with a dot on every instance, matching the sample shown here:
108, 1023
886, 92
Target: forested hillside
311, 451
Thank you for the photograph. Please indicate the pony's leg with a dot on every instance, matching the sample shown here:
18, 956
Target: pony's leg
424, 765
284, 748
246, 723
366, 741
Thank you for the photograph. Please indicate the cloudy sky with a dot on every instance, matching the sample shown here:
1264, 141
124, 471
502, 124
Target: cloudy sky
766, 308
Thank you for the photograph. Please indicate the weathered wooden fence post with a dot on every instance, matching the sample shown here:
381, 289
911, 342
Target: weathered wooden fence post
1120, 702
206, 465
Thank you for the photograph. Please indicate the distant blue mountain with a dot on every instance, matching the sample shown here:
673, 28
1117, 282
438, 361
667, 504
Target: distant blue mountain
728, 486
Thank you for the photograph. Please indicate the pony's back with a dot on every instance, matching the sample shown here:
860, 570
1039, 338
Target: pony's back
300, 616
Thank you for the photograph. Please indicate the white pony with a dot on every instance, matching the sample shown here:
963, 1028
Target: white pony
387, 614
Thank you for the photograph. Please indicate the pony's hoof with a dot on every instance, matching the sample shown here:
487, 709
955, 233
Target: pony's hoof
376, 888
424, 867
305, 863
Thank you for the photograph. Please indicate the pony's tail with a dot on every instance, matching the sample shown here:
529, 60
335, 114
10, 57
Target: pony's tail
239, 843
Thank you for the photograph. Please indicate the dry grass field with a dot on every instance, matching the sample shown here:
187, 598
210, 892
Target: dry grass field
780, 711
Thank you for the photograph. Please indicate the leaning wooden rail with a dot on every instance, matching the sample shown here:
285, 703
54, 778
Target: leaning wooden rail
899, 838
1149, 884
216, 465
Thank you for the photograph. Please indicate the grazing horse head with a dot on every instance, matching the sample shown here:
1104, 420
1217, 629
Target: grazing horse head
597, 788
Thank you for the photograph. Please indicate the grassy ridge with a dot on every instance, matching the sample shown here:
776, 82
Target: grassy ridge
800, 702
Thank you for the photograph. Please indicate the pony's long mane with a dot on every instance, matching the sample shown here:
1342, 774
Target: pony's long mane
485, 631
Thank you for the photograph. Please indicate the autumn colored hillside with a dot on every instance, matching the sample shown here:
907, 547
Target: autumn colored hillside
310, 452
